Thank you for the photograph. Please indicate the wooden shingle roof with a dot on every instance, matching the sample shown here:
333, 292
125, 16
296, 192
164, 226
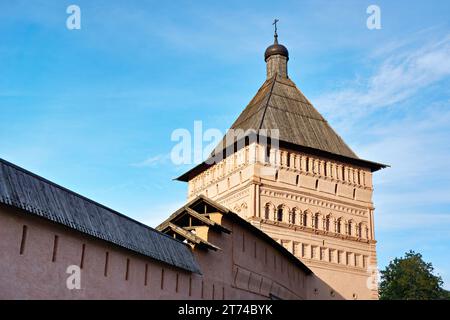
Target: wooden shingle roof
39, 197
279, 104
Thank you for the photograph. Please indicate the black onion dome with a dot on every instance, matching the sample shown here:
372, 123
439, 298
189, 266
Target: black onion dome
276, 49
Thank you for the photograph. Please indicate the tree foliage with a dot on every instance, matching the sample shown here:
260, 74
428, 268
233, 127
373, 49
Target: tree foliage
411, 278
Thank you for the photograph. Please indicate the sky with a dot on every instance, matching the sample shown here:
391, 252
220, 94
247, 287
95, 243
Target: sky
94, 109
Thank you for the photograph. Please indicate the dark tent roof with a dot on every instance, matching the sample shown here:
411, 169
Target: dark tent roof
43, 198
279, 104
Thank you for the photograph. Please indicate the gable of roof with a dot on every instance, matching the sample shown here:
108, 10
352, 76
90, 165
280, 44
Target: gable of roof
204, 206
40, 197
170, 228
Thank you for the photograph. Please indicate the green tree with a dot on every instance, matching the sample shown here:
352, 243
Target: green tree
411, 278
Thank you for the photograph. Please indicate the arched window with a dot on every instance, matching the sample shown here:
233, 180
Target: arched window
280, 213
305, 219
367, 233
339, 225
349, 228
316, 221
293, 216
327, 223
267, 212
360, 232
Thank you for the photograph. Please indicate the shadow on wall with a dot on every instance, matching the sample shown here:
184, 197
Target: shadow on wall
320, 290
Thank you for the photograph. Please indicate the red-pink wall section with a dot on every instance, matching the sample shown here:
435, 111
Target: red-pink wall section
247, 267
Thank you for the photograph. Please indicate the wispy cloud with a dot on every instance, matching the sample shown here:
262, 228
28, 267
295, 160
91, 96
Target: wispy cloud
391, 117
399, 76
152, 161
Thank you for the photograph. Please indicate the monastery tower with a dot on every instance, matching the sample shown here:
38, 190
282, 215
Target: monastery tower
292, 176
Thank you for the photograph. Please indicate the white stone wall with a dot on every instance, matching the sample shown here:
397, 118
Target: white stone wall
332, 231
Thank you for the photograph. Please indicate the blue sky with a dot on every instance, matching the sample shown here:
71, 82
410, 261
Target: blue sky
94, 109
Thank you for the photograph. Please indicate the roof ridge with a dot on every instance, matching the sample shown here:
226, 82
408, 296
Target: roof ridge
267, 103
249, 116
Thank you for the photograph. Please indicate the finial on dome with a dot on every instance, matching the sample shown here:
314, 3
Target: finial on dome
276, 48
275, 36
276, 56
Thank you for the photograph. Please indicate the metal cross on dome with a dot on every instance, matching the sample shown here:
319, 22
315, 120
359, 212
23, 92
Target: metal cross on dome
275, 24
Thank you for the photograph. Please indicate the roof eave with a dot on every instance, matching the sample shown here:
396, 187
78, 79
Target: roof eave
373, 166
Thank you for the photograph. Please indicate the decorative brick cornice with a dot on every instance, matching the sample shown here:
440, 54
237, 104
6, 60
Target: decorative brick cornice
314, 200
310, 230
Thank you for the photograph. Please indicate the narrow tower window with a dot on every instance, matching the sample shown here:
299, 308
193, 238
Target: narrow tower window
327, 224
105, 273
267, 154
280, 214
83, 249
146, 275
267, 212
316, 221
127, 271
55, 248
24, 239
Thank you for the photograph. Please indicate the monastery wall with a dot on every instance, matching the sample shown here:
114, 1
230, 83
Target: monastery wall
36, 254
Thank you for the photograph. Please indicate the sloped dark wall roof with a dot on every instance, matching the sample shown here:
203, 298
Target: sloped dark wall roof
43, 198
